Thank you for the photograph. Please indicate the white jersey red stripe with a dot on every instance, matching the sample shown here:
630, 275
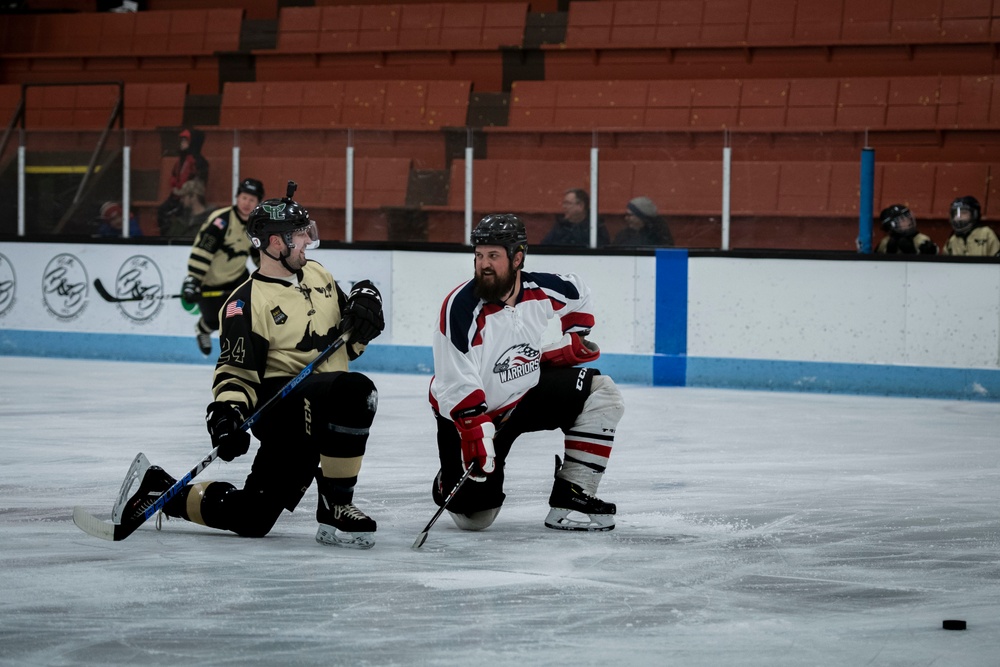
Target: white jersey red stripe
489, 352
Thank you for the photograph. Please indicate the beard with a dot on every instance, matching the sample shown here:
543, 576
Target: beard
491, 287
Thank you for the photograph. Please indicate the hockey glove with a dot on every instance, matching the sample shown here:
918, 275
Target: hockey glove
190, 290
363, 316
477, 433
927, 248
570, 350
224, 420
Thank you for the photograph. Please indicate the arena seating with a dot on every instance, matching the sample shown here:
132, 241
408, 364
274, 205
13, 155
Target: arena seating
691, 187
644, 39
796, 87
816, 104
327, 104
144, 47
459, 41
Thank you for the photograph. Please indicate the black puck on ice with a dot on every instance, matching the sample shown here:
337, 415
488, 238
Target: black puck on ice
953, 624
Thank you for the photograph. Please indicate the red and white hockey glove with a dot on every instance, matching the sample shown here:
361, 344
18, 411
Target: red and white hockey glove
477, 433
570, 350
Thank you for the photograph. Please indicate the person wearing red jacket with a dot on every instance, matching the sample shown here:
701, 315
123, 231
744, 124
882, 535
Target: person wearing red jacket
190, 165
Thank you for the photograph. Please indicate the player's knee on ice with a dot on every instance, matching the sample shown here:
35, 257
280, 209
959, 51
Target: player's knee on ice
475, 520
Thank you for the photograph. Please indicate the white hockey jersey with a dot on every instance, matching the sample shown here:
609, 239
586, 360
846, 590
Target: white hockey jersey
490, 353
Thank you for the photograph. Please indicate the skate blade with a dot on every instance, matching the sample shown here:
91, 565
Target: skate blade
130, 484
331, 536
564, 519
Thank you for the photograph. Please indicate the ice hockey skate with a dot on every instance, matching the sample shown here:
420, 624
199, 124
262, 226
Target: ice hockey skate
346, 526
204, 340
133, 477
572, 507
154, 482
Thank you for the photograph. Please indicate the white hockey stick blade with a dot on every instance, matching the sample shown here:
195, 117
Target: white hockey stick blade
91, 525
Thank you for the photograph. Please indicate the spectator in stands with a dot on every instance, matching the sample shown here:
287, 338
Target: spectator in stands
190, 164
971, 238
903, 237
572, 228
194, 212
644, 226
110, 222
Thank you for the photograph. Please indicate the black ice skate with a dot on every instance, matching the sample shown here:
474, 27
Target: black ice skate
345, 526
155, 481
569, 499
204, 341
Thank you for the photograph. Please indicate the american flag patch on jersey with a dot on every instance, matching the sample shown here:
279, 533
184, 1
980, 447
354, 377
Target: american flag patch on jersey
234, 308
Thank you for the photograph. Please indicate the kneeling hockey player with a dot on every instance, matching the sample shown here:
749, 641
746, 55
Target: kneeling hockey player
493, 381
274, 325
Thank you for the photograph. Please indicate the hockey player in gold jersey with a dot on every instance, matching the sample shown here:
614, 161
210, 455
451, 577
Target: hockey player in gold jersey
218, 259
971, 238
272, 326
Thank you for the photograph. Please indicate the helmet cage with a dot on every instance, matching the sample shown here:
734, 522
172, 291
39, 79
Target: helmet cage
899, 221
964, 214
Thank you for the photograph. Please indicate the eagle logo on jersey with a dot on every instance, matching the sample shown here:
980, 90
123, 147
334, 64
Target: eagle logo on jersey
517, 361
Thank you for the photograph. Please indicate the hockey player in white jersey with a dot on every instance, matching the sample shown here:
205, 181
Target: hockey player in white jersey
493, 381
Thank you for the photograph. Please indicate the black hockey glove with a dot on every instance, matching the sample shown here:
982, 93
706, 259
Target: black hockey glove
363, 316
190, 290
927, 248
224, 421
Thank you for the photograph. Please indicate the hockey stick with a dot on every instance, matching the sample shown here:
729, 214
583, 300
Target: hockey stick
422, 537
91, 525
108, 296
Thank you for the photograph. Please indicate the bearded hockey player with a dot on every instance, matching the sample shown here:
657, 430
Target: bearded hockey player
274, 325
493, 381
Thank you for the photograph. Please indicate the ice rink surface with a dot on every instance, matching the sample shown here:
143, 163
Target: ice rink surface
753, 528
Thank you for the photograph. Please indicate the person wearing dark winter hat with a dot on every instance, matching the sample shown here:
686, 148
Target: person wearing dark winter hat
218, 259
644, 226
190, 164
971, 238
902, 235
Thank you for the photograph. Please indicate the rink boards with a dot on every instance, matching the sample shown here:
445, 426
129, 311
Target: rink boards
843, 324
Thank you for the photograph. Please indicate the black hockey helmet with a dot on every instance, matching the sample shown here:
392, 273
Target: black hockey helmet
283, 217
251, 186
897, 219
503, 229
960, 222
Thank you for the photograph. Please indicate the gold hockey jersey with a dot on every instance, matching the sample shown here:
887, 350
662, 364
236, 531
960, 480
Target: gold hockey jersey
980, 242
220, 250
271, 329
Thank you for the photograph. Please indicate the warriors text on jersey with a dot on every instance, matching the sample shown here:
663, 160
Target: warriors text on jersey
490, 352
272, 328
219, 254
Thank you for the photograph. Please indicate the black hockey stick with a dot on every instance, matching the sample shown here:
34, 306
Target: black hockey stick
91, 525
422, 537
108, 296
